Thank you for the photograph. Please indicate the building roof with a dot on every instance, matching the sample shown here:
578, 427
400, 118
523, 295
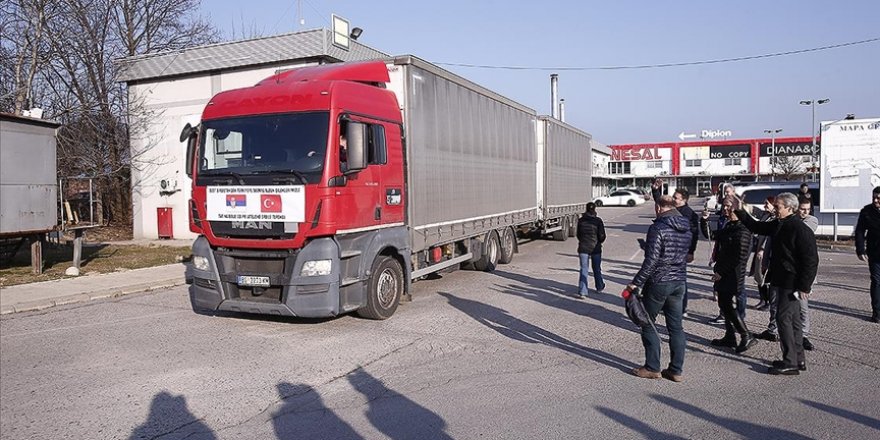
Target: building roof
315, 43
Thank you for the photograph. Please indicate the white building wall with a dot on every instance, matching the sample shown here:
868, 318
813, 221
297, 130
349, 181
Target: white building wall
159, 155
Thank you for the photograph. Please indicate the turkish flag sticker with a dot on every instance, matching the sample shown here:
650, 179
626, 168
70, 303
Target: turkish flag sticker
270, 203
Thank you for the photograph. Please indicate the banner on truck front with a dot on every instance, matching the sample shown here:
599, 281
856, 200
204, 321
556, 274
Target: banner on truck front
256, 203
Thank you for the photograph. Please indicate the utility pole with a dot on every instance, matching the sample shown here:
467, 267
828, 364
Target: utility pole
773, 152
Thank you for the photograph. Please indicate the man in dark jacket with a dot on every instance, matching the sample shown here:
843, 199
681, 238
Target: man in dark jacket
734, 242
591, 235
868, 226
662, 276
681, 197
792, 271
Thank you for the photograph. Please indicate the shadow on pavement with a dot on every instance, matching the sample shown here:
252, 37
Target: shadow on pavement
870, 422
170, 417
514, 328
304, 415
636, 425
395, 415
737, 426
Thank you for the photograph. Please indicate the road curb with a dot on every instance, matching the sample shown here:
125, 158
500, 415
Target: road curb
32, 306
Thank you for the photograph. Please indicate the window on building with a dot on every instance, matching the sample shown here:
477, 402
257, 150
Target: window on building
619, 167
655, 164
732, 162
693, 163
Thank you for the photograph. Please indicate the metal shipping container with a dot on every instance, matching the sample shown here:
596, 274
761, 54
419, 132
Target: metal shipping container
28, 176
470, 155
564, 169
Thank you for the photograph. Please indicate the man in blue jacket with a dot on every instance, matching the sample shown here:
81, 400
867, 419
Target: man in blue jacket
868, 227
662, 278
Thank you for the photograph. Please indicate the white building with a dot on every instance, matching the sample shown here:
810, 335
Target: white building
173, 88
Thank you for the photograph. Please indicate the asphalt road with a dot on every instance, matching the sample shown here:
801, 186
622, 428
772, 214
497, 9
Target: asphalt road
508, 354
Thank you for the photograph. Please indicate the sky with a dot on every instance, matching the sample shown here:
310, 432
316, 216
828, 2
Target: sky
632, 105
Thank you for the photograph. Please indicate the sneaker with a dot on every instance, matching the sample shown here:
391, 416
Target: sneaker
717, 320
745, 344
666, 374
580, 296
767, 335
724, 342
807, 344
645, 373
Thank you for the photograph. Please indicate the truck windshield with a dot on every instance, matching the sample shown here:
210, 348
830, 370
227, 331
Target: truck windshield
285, 144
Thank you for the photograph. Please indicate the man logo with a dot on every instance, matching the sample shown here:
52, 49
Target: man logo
251, 225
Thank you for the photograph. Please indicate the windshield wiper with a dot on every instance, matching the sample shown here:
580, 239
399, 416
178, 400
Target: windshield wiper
298, 174
225, 174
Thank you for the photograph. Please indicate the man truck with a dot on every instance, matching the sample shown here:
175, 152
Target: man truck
329, 189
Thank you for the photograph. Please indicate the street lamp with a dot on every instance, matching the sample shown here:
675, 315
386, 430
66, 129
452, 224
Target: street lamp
772, 134
812, 103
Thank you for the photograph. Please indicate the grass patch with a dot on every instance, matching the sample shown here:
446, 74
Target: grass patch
96, 258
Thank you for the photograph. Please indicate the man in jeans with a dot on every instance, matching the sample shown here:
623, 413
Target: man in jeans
662, 277
591, 235
681, 197
868, 229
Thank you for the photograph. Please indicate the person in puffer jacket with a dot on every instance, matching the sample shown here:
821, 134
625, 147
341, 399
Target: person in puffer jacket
662, 278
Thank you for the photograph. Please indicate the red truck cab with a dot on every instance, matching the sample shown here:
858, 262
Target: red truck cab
298, 195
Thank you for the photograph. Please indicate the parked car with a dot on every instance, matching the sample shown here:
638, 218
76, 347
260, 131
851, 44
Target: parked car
620, 197
639, 191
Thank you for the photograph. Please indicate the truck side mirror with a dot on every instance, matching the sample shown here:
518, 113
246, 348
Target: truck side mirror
356, 137
188, 134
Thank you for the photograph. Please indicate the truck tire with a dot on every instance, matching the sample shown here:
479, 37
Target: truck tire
630, 203
573, 226
508, 245
491, 253
385, 289
562, 234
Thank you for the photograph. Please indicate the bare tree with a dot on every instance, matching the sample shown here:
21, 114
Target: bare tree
789, 167
71, 61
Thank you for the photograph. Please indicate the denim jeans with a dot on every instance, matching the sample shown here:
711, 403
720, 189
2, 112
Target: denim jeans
586, 259
664, 297
874, 266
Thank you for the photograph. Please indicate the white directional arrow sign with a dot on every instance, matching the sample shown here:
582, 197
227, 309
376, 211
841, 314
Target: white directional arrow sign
683, 136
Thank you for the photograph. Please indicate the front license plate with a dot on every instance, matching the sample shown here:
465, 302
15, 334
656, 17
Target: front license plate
247, 280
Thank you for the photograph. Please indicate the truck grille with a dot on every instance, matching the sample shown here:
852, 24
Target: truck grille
232, 263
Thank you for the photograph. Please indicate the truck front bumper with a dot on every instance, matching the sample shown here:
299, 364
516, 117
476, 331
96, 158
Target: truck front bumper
291, 292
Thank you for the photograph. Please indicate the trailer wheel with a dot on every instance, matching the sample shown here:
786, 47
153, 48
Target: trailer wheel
491, 253
573, 226
562, 234
508, 245
385, 289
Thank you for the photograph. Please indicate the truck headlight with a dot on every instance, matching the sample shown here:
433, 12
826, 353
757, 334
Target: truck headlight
315, 268
201, 263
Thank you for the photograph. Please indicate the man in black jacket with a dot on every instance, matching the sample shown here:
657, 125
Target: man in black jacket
681, 197
733, 243
591, 235
793, 268
869, 226
663, 275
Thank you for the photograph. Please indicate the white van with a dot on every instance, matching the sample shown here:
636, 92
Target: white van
755, 194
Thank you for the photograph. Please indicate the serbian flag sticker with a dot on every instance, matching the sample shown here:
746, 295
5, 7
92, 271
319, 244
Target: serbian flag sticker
236, 200
270, 202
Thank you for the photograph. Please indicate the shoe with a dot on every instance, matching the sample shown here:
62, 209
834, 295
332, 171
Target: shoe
802, 366
784, 371
670, 376
724, 342
761, 304
875, 319
807, 344
645, 373
745, 344
580, 296
602, 290
767, 336
684, 315
717, 320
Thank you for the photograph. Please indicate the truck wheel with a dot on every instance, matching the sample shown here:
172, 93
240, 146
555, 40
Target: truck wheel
630, 203
508, 245
562, 234
491, 253
573, 227
385, 289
